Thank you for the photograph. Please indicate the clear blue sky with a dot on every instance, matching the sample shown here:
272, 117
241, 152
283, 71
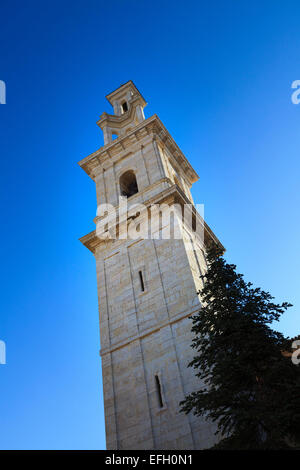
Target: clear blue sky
219, 76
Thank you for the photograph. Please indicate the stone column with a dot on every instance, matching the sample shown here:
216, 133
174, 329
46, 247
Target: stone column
100, 186
140, 113
107, 135
117, 108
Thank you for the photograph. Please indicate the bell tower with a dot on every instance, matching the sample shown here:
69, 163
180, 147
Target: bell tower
147, 286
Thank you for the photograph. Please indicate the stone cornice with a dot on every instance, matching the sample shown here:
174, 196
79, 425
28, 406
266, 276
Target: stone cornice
171, 195
150, 127
176, 318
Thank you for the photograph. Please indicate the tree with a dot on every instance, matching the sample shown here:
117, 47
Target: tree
249, 388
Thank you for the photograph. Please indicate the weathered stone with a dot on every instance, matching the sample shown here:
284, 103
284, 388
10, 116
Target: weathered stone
146, 333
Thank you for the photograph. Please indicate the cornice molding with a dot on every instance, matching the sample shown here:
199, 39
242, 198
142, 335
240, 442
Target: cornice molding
175, 319
150, 127
171, 195
128, 85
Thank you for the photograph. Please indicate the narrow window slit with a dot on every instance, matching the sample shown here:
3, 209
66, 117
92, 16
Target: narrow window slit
142, 281
158, 389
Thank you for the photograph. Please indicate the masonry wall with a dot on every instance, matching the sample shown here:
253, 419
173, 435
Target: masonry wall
148, 333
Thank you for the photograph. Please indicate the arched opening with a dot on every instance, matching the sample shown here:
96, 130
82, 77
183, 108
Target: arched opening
114, 136
124, 107
128, 184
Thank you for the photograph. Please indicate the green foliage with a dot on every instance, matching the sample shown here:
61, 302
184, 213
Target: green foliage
247, 387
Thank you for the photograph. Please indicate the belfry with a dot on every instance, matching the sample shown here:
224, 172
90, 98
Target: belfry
147, 287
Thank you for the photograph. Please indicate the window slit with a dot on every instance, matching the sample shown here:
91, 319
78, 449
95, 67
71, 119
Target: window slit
142, 281
158, 389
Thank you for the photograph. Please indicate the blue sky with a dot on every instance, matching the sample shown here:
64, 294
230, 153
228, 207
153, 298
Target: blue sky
219, 76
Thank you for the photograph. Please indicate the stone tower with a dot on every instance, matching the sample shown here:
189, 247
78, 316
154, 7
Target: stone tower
147, 288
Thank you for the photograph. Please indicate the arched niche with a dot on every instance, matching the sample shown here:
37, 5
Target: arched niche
128, 184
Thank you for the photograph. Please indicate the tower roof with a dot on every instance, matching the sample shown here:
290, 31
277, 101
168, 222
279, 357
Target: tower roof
128, 87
